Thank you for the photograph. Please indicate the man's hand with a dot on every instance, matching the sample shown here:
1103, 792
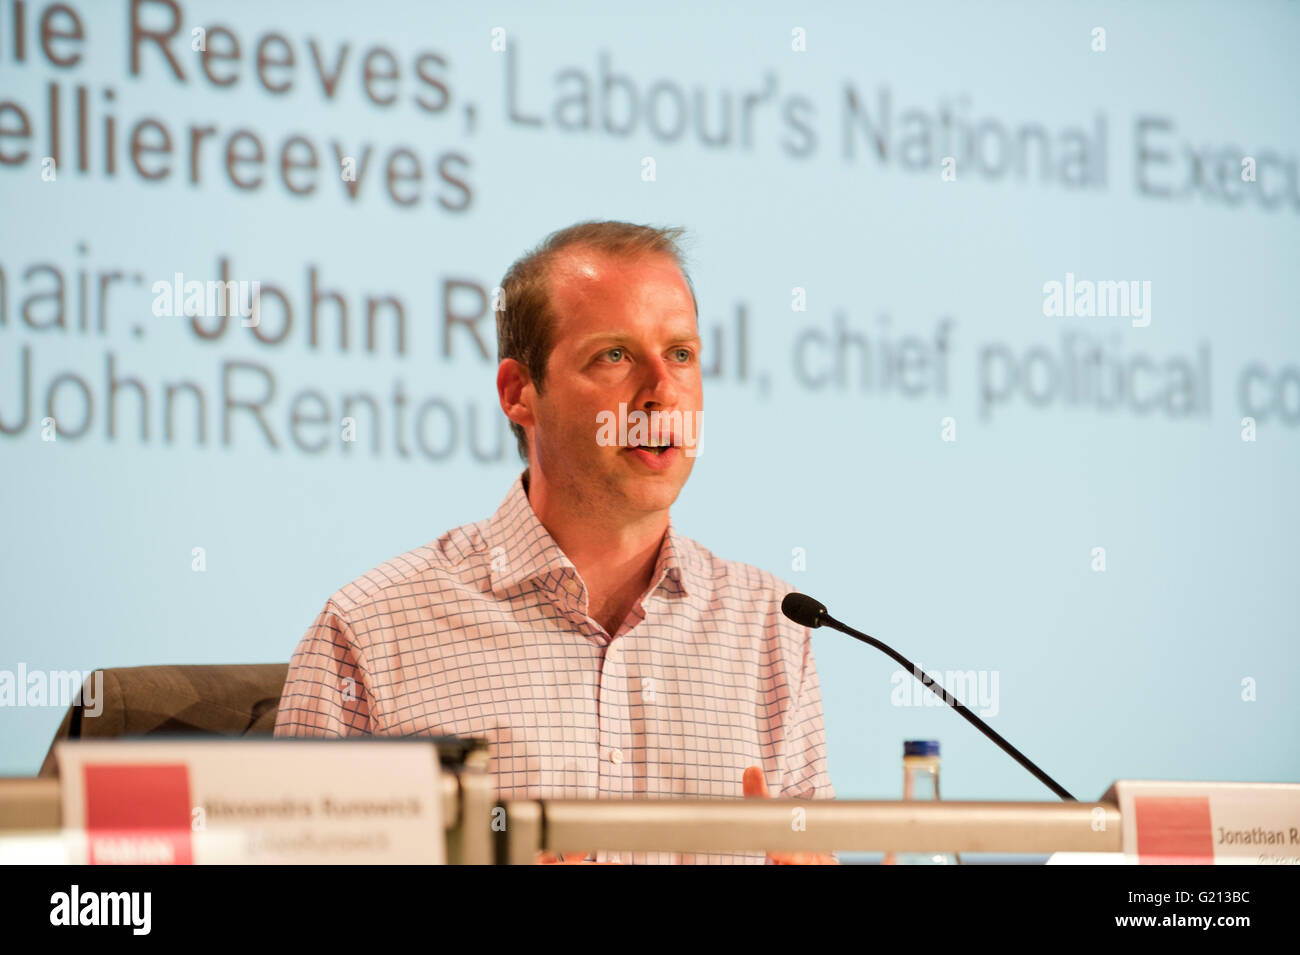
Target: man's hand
756, 788
563, 858
570, 858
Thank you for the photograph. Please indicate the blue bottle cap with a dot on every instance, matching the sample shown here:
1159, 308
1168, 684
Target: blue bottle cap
921, 747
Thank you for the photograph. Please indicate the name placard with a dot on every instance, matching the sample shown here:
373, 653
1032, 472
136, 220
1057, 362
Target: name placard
232, 801
1168, 822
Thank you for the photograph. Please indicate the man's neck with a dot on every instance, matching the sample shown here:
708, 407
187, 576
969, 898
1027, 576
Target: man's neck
614, 558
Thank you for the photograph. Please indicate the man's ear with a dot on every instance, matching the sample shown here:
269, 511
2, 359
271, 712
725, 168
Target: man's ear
516, 391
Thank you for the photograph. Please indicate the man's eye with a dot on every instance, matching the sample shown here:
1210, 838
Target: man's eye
686, 353
614, 351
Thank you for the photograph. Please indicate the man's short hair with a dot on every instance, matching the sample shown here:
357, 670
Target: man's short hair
525, 321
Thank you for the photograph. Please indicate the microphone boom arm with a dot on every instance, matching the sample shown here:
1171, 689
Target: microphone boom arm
811, 613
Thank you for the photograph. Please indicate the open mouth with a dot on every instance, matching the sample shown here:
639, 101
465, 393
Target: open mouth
658, 458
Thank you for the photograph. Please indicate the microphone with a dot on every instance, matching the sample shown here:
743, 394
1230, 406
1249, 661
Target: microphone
807, 612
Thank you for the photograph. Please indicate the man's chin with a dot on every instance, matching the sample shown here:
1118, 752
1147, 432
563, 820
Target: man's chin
647, 488
651, 492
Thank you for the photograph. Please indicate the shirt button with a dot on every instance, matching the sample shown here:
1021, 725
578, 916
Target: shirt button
616, 757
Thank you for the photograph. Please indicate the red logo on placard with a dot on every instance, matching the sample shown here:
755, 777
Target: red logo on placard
1173, 830
139, 814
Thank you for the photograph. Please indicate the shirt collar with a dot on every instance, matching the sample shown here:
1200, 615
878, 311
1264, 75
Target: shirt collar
523, 550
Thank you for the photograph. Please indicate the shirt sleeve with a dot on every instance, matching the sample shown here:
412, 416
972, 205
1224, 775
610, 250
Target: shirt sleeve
325, 692
806, 773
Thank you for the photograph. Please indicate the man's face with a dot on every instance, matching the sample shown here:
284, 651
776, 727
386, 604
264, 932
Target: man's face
625, 333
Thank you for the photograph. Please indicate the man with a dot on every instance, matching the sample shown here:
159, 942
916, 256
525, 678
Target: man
603, 654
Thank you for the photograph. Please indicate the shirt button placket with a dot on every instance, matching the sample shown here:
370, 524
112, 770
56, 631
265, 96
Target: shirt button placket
613, 716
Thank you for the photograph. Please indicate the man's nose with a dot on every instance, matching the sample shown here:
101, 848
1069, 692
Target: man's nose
660, 387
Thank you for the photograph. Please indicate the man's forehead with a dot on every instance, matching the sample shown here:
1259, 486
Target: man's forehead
579, 275
594, 291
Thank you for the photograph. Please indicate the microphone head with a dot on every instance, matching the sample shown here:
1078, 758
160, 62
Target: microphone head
803, 610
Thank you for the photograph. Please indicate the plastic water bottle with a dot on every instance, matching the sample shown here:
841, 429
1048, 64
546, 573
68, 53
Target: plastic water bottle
921, 782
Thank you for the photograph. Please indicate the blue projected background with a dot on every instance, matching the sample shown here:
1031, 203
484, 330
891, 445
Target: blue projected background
1095, 513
